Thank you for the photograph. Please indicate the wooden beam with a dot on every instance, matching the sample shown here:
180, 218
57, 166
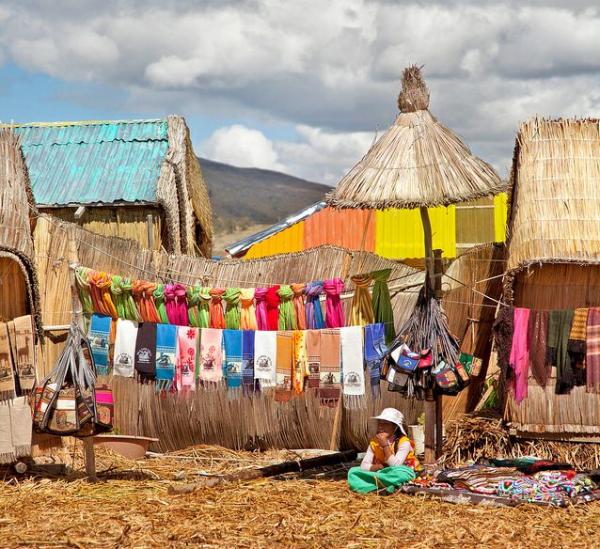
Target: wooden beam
79, 212
150, 228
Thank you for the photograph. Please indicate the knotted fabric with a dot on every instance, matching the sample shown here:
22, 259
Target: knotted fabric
217, 317
260, 296
362, 304
159, 301
193, 300
83, 286
247, 312
144, 299
314, 313
100, 292
116, 292
232, 312
287, 318
272, 299
176, 304
334, 312
131, 310
382, 303
299, 308
204, 308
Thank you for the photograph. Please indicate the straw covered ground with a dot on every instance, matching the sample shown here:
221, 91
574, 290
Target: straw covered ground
130, 507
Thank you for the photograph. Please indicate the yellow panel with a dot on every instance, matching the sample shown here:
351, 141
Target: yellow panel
399, 233
288, 240
500, 214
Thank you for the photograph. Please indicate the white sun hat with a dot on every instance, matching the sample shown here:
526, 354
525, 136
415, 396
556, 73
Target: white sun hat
393, 416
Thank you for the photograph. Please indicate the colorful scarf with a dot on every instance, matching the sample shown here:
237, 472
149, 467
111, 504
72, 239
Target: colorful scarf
559, 327
25, 352
193, 300
83, 287
362, 302
262, 321
247, 314
217, 318
353, 372
314, 313
285, 366
537, 334
265, 358
313, 351
7, 375
375, 350
100, 292
287, 317
143, 295
159, 301
233, 358
576, 344
121, 292
334, 312
248, 384
272, 299
330, 370
145, 351
382, 303
166, 352
99, 337
176, 304
519, 353
232, 313
300, 363
125, 348
185, 365
593, 351
204, 308
299, 308
211, 355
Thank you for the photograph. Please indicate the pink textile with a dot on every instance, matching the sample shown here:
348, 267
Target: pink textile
185, 363
176, 304
260, 296
211, 355
519, 353
334, 312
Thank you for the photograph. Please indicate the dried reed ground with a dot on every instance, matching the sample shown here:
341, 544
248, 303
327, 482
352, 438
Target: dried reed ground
131, 512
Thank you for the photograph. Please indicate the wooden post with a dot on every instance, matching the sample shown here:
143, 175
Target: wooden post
150, 228
430, 421
90, 458
427, 238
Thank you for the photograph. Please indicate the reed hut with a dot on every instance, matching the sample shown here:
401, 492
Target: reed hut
18, 281
554, 255
137, 179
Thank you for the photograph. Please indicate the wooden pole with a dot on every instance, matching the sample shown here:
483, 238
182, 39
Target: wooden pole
150, 229
438, 271
428, 239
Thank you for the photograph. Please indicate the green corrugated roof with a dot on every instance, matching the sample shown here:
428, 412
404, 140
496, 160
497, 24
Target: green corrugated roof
94, 162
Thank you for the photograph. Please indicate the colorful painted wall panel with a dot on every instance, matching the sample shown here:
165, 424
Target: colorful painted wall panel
352, 229
288, 240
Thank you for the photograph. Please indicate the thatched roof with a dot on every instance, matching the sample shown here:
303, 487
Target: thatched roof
417, 162
555, 200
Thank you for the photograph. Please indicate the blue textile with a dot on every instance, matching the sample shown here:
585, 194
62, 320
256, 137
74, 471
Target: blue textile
248, 361
166, 348
232, 365
375, 350
99, 336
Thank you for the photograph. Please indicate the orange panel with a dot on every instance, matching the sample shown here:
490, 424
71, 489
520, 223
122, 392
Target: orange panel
341, 228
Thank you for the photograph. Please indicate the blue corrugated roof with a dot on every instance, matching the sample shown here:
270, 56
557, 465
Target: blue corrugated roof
94, 162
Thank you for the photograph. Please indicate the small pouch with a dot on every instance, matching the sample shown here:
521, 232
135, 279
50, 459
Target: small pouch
425, 358
104, 408
447, 380
476, 366
462, 373
404, 359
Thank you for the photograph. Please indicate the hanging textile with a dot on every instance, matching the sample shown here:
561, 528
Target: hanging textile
217, 317
100, 293
330, 384
248, 384
361, 313
519, 353
25, 352
233, 358
313, 352
299, 307
125, 347
83, 287
166, 351
145, 351
232, 312
287, 317
99, 336
121, 292
353, 373
143, 295
176, 304
185, 365
272, 300
15, 430
300, 363
260, 296
559, 328
7, 375
211, 355
265, 358
314, 313
247, 312
382, 303
375, 350
334, 312
537, 333
285, 359
577, 346
204, 308
593, 351
159, 301
193, 300
503, 335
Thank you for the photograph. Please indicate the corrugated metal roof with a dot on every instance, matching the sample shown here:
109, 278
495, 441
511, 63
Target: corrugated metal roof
94, 162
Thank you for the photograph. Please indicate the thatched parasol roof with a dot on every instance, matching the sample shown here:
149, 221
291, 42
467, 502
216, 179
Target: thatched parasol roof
417, 162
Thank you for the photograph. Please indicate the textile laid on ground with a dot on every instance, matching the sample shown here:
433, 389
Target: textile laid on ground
232, 312
99, 335
25, 352
313, 352
559, 328
287, 315
125, 347
265, 358
314, 313
299, 306
536, 335
362, 303
166, 347
145, 351
593, 351
330, 382
375, 350
15, 429
233, 358
247, 313
384, 480
272, 300
284, 365
353, 374
211, 355
519, 354
382, 303
217, 317
300, 363
248, 383
334, 312
7, 376
262, 320
185, 365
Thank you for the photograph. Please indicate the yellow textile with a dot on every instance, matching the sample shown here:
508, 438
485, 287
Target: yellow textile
361, 313
300, 361
247, 313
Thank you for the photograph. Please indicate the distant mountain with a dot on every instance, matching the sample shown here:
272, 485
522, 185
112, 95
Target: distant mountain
243, 197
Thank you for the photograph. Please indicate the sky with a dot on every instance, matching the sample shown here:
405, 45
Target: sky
300, 86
